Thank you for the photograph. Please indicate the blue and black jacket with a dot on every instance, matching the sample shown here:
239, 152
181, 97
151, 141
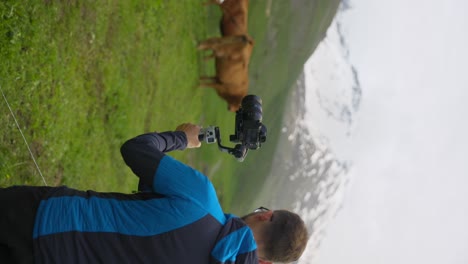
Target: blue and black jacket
177, 219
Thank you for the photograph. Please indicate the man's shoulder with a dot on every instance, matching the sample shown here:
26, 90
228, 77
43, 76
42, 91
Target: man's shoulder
235, 242
234, 221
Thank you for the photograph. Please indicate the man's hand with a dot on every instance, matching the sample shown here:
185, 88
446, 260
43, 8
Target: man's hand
191, 131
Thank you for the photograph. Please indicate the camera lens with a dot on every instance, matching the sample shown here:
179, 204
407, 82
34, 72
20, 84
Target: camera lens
252, 108
249, 130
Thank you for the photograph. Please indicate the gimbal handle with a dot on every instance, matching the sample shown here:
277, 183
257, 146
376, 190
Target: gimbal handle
239, 151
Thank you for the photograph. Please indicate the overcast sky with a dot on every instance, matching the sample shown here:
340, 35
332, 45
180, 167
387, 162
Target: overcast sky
408, 197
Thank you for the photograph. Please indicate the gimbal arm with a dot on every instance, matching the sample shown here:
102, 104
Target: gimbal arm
239, 151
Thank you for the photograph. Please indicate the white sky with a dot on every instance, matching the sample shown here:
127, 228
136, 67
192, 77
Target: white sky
408, 198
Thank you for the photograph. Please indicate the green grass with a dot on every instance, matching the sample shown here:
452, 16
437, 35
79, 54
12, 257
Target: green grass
84, 76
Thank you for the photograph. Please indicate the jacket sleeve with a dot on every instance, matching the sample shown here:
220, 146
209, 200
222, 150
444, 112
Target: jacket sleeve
144, 153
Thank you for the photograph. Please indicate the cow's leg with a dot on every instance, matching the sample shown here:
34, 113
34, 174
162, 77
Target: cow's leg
219, 42
211, 82
208, 78
208, 57
211, 2
208, 43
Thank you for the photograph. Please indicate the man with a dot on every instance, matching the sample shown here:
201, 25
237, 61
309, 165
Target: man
175, 218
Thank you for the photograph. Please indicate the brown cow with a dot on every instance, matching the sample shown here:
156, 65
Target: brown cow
231, 82
230, 47
232, 57
235, 15
231, 52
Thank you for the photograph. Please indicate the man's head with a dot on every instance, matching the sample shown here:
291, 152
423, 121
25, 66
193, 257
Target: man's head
281, 235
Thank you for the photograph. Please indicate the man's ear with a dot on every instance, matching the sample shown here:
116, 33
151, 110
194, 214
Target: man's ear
264, 262
265, 216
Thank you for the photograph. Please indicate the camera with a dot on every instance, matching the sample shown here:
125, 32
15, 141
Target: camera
249, 132
249, 129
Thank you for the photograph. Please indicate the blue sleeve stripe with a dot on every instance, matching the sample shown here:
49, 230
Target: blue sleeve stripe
129, 217
238, 242
175, 179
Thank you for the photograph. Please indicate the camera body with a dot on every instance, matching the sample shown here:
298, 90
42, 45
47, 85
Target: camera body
249, 132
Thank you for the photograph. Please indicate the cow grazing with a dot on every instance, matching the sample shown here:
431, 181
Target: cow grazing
231, 52
232, 56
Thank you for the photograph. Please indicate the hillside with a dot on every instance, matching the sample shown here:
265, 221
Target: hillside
286, 33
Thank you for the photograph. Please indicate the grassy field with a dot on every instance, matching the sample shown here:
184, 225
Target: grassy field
83, 76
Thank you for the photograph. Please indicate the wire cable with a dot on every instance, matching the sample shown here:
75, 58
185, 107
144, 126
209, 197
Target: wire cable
24, 138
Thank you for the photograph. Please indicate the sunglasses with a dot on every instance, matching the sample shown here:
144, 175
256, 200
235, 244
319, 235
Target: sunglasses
261, 209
